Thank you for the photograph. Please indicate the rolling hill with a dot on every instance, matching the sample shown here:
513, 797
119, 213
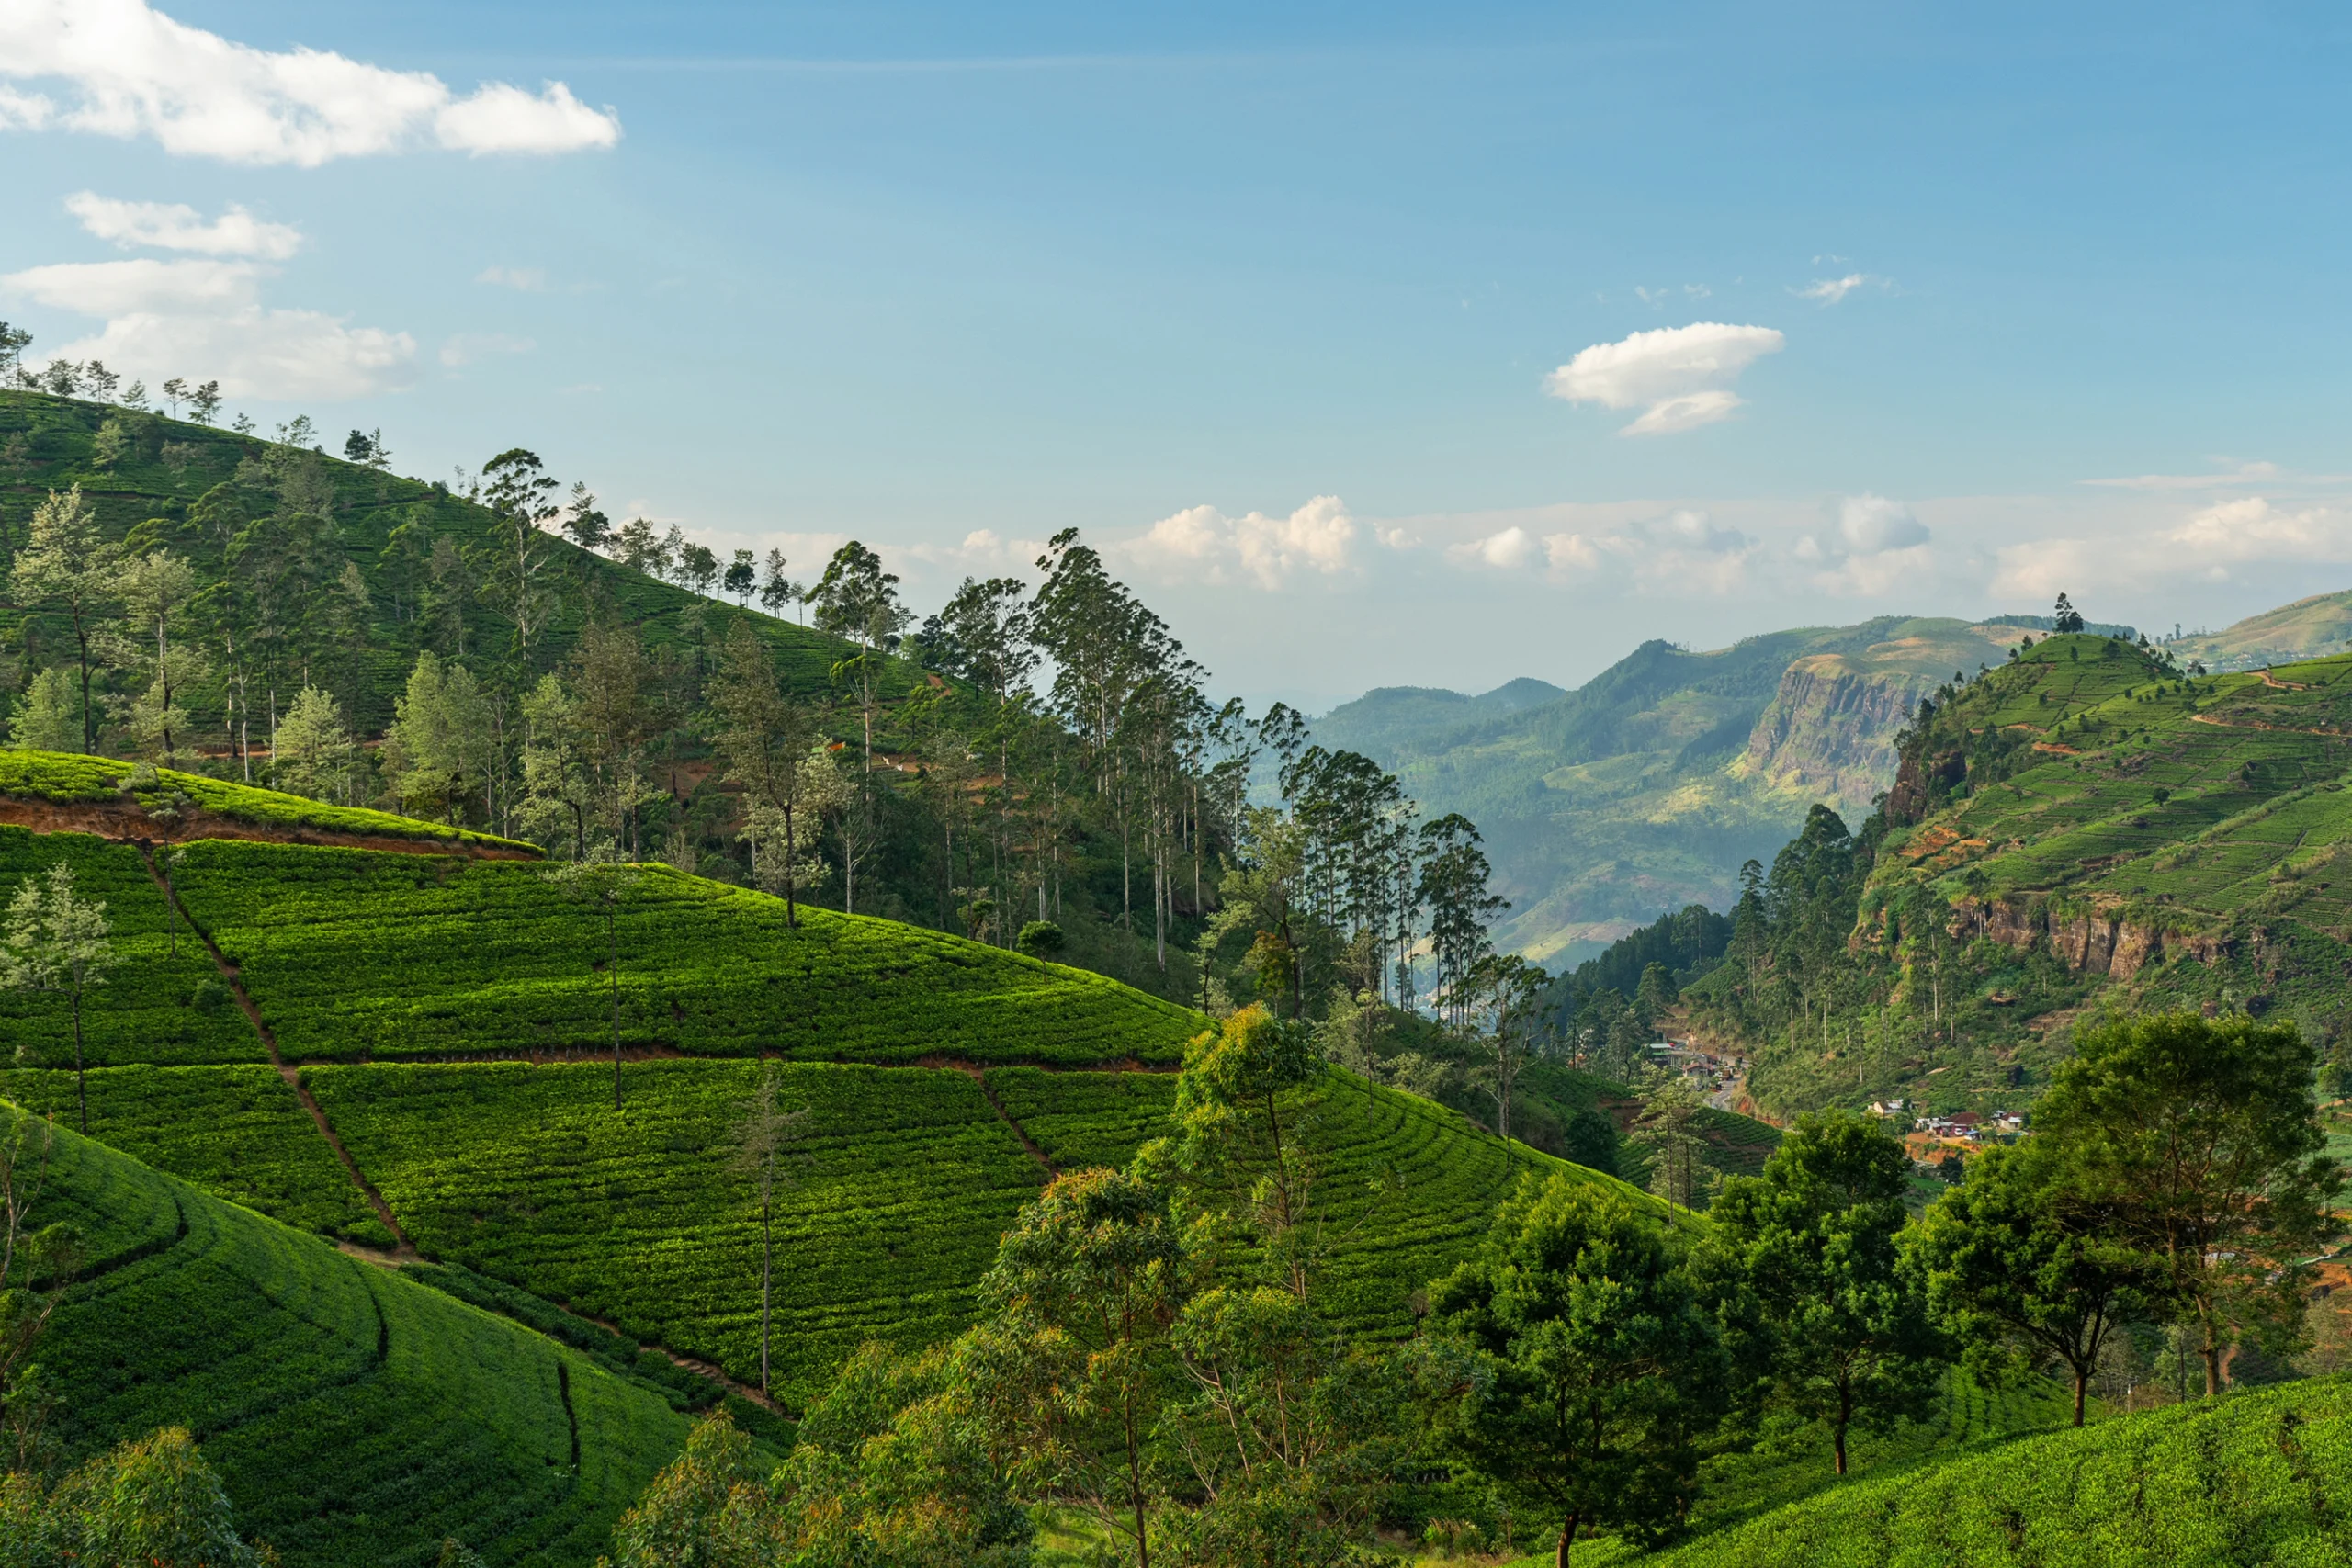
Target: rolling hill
2254, 1478
356, 1418
243, 509
408, 1050
2304, 629
1644, 789
2082, 825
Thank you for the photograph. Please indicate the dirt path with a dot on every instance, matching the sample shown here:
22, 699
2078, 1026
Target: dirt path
407, 1250
979, 1074
124, 822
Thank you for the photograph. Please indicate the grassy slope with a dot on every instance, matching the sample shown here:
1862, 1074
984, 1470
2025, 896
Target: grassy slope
2304, 629
2256, 1478
352, 954
64, 779
1629, 796
907, 1177
2245, 855
355, 1419
368, 507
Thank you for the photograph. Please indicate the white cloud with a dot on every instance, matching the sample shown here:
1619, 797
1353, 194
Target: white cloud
1201, 542
1831, 290
203, 320
465, 348
2250, 528
1685, 549
1871, 524
24, 111
171, 226
116, 288
2243, 474
256, 353
135, 71
1680, 376
529, 279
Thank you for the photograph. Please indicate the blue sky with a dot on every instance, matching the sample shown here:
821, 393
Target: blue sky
1379, 345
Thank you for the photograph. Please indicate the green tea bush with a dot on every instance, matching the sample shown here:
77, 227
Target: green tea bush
352, 954
353, 1415
523, 1173
2254, 1478
237, 1132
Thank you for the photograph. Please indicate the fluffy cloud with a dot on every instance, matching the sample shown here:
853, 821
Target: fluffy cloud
1684, 549
1680, 377
204, 319
130, 70
2251, 529
1831, 290
1201, 542
1876, 544
171, 226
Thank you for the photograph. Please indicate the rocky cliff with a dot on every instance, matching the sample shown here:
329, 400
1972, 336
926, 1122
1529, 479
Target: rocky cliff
1829, 730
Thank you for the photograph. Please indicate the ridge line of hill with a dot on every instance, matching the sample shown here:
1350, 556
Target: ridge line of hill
269, 1043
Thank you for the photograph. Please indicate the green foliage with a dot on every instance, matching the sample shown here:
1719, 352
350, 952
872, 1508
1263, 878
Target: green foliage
349, 1413
1596, 1366
487, 956
1817, 1310
2250, 1479
152, 1500
2020, 1263
2198, 1139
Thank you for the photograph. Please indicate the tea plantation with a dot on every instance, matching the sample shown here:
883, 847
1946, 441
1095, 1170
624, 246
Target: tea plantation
354, 954
2250, 1479
906, 1178
354, 1418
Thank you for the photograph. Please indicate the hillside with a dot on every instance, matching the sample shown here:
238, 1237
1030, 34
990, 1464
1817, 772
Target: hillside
2253, 1478
354, 1418
2304, 629
412, 1051
247, 512
1644, 789
2082, 825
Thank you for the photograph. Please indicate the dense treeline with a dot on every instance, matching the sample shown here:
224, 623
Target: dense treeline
1030, 765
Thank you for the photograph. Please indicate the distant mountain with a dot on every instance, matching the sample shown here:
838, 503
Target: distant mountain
1644, 789
1390, 716
2304, 629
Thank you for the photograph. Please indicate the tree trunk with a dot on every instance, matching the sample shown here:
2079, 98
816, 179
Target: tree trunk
791, 914
81, 1081
613, 975
2082, 1382
767, 1263
2211, 1351
1568, 1538
89, 732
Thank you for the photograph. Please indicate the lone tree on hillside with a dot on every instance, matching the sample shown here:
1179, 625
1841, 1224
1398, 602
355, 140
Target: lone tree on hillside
1811, 1292
1599, 1364
769, 1138
2065, 618
2200, 1138
58, 940
601, 885
2023, 1270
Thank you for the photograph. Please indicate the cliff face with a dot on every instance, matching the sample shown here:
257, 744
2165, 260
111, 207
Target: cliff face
2093, 942
1829, 730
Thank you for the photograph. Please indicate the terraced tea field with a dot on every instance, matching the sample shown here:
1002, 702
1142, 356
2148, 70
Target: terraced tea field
359, 955
354, 1418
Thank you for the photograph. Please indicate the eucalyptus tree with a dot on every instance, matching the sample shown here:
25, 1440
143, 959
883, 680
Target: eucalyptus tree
1453, 887
67, 564
858, 601
58, 940
767, 1140
522, 495
766, 736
